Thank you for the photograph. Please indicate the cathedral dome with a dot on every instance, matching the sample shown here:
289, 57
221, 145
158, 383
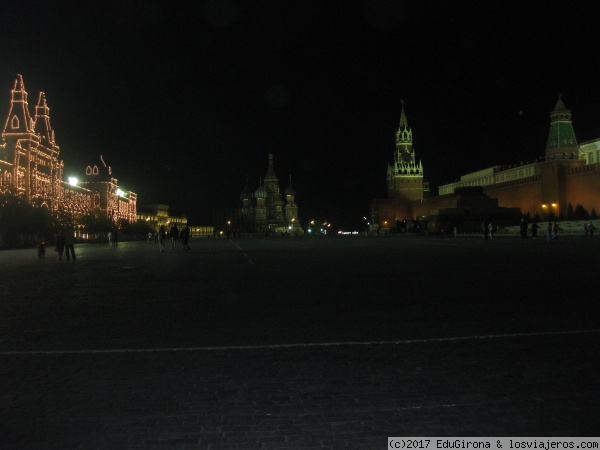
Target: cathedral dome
290, 190
261, 192
246, 193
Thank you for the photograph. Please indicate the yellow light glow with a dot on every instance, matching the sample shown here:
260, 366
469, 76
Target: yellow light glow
73, 181
553, 204
544, 206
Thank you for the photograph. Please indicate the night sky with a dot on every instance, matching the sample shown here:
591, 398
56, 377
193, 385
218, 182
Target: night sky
185, 99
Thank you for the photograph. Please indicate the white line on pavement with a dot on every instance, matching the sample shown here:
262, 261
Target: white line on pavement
283, 346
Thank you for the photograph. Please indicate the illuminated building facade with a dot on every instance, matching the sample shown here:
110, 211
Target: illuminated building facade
567, 174
264, 209
30, 168
158, 215
117, 203
405, 182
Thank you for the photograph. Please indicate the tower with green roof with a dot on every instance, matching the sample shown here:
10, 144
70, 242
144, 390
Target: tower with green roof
561, 139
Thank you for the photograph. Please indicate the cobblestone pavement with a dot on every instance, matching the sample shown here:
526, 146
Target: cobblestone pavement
298, 343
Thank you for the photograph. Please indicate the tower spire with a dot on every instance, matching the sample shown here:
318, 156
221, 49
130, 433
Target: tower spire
42, 120
561, 138
18, 119
403, 123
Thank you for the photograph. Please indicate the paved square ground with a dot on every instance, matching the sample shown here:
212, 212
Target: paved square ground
298, 342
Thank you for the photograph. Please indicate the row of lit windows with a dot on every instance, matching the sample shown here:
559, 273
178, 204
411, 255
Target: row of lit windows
502, 177
593, 157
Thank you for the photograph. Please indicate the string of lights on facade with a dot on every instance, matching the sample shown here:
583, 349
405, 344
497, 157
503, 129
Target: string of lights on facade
30, 167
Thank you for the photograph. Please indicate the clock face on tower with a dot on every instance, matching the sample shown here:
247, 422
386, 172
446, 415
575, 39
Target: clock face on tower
406, 157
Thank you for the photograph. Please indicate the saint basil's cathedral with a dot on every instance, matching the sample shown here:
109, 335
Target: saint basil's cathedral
265, 211
30, 168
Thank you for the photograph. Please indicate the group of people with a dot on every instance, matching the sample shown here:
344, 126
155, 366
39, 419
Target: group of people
65, 240
174, 235
65, 244
552, 230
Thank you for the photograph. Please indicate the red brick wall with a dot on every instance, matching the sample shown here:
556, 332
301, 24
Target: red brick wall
525, 194
583, 187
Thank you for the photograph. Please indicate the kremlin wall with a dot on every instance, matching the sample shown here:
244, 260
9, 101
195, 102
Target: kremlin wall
568, 174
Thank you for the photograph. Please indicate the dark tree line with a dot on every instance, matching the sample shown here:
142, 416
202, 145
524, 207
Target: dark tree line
21, 223
580, 213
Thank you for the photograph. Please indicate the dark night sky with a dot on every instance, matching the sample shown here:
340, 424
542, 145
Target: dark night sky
184, 99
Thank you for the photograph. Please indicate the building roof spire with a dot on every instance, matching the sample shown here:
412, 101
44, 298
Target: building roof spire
41, 120
403, 123
18, 119
561, 138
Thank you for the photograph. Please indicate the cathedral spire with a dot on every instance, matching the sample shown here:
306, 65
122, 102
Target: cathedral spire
271, 180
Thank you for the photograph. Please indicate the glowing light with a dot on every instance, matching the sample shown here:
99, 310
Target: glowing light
73, 181
120, 193
544, 206
553, 204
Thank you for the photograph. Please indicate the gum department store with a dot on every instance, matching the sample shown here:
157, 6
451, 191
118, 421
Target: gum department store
30, 168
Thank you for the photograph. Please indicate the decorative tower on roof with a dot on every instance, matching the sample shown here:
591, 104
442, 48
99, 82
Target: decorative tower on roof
561, 139
405, 175
291, 209
33, 171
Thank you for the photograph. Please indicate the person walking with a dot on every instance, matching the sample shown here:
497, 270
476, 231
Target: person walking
41, 246
174, 235
69, 243
115, 234
491, 230
555, 229
591, 229
549, 231
162, 237
60, 244
534, 228
185, 238
523, 228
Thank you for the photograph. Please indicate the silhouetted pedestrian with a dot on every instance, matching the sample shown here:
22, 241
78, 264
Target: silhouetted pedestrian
41, 246
555, 229
523, 228
60, 244
115, 237
534, 228
185, 237
70, 243
174, 235
162, 237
